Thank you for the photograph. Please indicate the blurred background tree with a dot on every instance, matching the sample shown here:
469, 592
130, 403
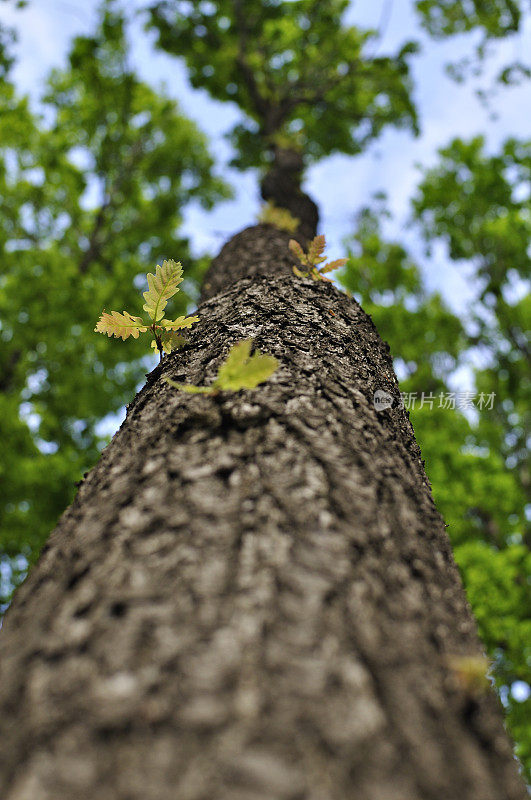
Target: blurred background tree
492, 20
93, 193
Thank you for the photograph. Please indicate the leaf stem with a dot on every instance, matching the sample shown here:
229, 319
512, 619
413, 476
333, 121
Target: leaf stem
158, 341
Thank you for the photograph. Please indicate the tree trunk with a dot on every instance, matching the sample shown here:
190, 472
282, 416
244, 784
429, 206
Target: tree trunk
253, 596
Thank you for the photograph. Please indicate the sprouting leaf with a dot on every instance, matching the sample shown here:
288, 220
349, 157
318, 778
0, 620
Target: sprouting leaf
297, 250
240, 370
470, 672
238, 355
316, 248
120, 325
162, 285
339, 262
170, 340
280, 218
313, 258
177, 324
243, 371
187, 387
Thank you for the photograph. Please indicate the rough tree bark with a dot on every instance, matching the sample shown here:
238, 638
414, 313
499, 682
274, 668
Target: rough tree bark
253, 596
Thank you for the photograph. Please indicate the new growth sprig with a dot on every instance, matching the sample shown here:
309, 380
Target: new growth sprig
280, 218
470, 673
313, 258
162, 285
240, 370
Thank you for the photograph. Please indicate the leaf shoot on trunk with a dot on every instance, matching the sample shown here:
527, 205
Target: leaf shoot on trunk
280, 218
163, 284
313, 258
240, 370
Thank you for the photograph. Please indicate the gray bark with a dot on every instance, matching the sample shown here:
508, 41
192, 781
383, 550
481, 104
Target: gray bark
253, 596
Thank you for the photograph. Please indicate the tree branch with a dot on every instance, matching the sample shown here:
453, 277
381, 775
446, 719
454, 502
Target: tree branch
261, 106
6, 379
95, 243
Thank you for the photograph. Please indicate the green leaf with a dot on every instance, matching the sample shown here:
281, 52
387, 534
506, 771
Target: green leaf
242, 371
190, 388
170, 340
162, 285
238, 355
129, 132
316, 248
120, 325
296, 73
177, 324
297, 251
339, 262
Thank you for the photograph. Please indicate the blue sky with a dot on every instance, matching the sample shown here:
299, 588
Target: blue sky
341, 185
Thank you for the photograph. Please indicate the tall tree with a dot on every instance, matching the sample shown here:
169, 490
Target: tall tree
303, 79
88, 195
253, 595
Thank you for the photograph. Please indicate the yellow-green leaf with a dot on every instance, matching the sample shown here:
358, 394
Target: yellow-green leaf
240, 370
171, 340
315, 251
177, 324
300, 274
280, 218
120, 325
297, 251
190, 388
238, 355
339, 262
162, 285
243, 371
470, 672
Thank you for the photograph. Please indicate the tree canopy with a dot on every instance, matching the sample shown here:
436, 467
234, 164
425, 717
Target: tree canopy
493, 20
301, 76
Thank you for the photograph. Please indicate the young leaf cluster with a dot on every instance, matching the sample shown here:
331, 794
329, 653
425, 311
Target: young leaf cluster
313, 258
240, 370
280, 218
470, 673
162, 285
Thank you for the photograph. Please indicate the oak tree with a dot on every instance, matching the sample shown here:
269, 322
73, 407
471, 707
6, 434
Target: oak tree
253, 594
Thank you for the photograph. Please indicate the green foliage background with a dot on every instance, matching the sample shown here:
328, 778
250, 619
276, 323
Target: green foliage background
92, 193
91, 196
